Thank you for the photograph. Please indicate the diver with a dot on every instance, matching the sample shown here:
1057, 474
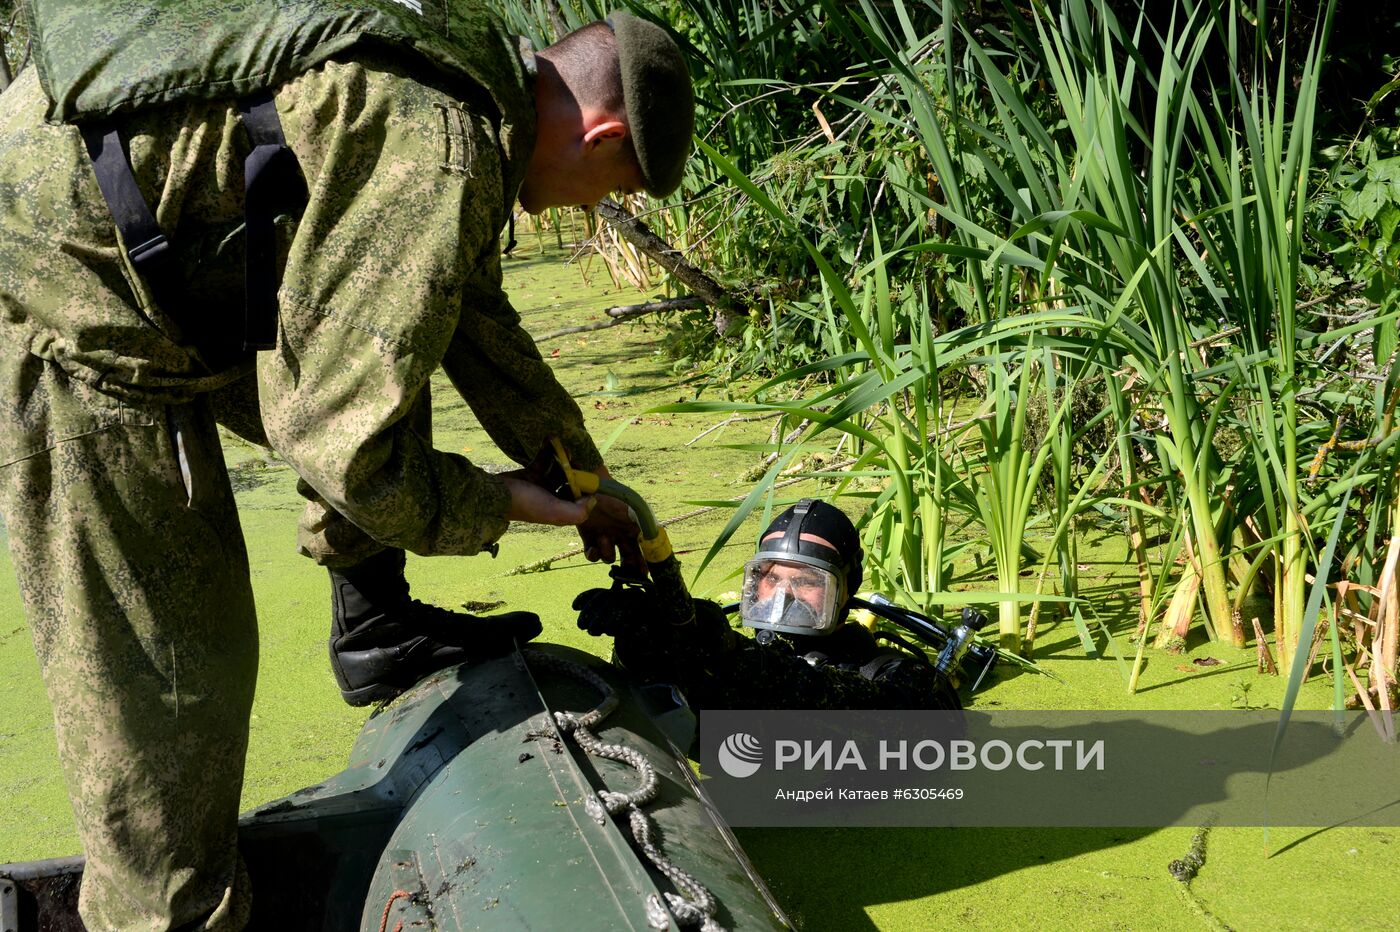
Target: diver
798, 592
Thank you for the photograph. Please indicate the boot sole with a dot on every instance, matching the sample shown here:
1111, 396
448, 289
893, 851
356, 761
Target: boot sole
368, 695
378, 691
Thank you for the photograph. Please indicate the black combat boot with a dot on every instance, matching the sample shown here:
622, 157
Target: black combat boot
382, 641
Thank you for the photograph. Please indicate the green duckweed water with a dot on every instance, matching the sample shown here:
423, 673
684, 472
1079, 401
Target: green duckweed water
837, 879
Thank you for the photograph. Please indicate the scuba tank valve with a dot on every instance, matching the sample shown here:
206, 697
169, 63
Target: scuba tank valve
959, 640
953, 645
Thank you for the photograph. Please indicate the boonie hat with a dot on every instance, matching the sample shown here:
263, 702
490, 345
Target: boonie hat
660, 101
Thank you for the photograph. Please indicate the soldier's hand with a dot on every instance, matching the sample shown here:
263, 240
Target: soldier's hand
610, 529
537, 505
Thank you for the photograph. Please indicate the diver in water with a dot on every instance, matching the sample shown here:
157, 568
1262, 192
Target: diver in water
806, 653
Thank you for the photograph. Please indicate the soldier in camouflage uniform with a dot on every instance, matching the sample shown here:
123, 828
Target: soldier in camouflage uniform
806, 655
121, 522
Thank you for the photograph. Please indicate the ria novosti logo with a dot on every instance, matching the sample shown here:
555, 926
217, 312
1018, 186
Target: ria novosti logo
741, 755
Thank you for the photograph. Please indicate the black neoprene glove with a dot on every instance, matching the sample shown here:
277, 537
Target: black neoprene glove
672, 653
712, 631
611, 612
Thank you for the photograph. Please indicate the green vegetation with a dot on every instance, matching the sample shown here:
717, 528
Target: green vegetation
1036, 284
1079, 264
14, 40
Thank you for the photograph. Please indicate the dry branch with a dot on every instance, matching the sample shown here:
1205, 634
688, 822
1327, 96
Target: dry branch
1264, 659
1214, 337
1320, 631
773, 437
669, 258
732, 419
626, 312
1028, 642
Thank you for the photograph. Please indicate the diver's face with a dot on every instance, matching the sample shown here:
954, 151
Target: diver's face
804, 583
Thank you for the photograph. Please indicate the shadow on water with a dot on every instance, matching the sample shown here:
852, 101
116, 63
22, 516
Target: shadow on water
251, 474
919, 862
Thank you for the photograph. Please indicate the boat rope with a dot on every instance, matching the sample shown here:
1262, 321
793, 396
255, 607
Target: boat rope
695, 906
396, 895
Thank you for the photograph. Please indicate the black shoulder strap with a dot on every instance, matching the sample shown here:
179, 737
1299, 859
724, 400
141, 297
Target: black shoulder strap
146, 245
272, 184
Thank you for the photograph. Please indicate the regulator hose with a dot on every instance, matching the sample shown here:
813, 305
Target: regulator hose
673, 600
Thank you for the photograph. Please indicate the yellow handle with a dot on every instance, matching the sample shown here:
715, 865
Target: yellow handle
656, 549
581, 482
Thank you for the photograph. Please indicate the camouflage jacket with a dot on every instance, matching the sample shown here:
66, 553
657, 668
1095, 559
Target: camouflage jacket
392, 270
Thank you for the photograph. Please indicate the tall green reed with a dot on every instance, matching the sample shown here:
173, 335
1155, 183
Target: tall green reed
1106, 198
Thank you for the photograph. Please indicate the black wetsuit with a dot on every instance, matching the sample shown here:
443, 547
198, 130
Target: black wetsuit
718, 669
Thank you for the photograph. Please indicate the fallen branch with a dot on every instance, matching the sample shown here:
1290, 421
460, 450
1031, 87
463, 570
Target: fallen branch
733, 419
791, 436
669, 258
1214, 337
626, 312
958, 427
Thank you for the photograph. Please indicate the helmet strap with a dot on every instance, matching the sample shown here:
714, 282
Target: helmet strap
792, 538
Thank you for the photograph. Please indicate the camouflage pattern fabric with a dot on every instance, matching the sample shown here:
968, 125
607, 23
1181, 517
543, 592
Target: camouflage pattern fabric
99, 57
129, 555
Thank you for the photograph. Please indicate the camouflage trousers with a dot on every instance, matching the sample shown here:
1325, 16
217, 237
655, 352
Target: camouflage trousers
134, 576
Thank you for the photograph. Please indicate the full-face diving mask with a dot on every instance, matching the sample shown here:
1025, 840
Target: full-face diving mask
790, 596
796, 584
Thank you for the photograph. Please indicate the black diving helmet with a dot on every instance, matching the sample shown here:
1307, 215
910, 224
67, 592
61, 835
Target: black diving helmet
807, 567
